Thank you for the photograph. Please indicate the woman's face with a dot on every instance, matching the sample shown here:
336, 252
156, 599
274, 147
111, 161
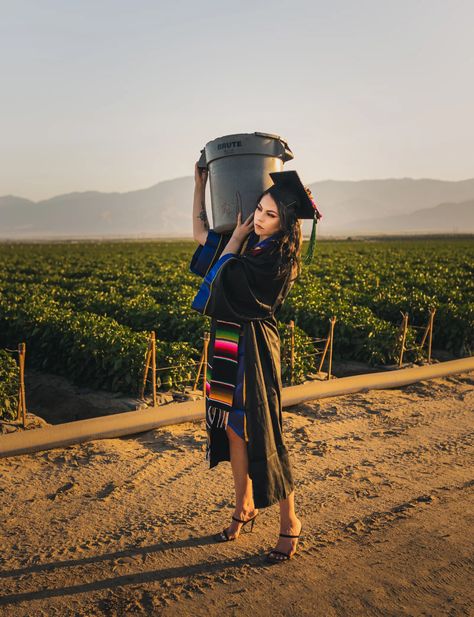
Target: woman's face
266, 219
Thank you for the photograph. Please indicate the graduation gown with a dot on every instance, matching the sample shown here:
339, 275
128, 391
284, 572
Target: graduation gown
243, 288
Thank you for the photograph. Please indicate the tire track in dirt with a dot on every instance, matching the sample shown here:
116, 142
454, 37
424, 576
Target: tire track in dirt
336, 500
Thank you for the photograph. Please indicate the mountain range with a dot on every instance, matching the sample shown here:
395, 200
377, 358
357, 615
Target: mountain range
398, 205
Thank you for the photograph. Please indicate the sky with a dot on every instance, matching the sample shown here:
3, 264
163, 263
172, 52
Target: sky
115, 95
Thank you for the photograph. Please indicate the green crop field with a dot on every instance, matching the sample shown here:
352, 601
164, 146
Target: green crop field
85, 309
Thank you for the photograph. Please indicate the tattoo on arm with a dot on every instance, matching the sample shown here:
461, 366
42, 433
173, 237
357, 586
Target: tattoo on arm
203, 216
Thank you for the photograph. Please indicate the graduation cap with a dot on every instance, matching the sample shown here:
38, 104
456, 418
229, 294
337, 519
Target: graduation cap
301, 199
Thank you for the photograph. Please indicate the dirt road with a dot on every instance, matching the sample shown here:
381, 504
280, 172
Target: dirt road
385, 489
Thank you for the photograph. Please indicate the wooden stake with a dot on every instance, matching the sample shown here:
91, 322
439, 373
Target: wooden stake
292, 351
403, 335
202, 362
198, 374
428, 330
21, 390
153, 365
331, 335
430, 340
323, 357
147, 368
425, 334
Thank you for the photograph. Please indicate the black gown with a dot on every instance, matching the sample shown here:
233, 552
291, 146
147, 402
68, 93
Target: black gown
244, 288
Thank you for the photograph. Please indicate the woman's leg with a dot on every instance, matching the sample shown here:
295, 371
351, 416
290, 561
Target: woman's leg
290, 524
244, 504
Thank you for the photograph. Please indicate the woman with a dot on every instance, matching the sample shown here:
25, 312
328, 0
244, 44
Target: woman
247, 275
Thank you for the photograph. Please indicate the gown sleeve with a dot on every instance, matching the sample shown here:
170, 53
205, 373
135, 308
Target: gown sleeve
206, 255
241, 288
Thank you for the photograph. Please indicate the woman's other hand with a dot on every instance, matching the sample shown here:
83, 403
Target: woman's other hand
242, 230
200, 176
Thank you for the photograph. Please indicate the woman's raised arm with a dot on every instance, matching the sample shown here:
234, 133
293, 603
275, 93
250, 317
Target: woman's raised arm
200, 222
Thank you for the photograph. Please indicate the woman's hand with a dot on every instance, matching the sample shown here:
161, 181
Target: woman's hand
200, 176
242, 230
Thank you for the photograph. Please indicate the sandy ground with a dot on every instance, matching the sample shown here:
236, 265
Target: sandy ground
123, 526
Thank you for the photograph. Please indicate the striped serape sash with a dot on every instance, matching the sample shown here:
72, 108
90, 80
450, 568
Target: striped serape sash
221, 376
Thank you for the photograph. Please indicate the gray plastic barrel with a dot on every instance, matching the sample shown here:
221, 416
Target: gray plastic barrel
239, 167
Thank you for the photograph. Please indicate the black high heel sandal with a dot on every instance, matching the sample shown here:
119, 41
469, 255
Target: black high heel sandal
223, 535
286, 556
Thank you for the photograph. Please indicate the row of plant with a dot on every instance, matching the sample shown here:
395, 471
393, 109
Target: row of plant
97, 350
374, 315
88, 348
9, 374
85, 309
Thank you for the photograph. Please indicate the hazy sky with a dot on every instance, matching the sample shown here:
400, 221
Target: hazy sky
119, 95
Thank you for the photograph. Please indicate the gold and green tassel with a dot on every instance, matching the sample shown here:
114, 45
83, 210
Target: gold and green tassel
312, 243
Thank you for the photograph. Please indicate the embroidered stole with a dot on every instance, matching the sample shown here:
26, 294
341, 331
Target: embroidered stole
221, 377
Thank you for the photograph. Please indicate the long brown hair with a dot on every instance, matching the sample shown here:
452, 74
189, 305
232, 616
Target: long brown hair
289, 247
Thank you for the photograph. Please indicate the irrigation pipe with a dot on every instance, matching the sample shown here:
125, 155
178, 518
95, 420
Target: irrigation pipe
129, 423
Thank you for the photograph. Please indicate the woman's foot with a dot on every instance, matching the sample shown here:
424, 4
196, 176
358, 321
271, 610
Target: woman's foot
287, 545
233, 531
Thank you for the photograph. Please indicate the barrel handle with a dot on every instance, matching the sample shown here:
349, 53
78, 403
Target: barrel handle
202, 164
287, 155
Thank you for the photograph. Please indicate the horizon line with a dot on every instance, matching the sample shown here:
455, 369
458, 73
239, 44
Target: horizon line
101, 192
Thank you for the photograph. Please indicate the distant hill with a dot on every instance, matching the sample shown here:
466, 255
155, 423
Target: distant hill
369, 204
164, 209
447, 217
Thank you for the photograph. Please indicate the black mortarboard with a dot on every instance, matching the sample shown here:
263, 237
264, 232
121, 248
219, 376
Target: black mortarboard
301, 199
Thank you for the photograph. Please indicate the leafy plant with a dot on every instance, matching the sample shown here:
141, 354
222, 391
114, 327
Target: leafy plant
9, 375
